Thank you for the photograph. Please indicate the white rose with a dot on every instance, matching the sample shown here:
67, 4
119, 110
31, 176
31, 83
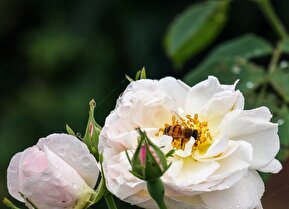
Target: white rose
215, 170
58, 172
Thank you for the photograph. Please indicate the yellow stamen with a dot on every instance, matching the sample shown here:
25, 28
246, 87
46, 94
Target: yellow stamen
203, 139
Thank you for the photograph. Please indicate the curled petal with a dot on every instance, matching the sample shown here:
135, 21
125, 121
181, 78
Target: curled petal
200, 94
254, 127
273, 167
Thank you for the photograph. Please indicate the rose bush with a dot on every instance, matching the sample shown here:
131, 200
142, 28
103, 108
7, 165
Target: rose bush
58, 172
216, 168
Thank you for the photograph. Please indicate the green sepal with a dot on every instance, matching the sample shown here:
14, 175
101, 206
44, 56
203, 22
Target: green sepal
152, 168
141, 74
101, 189
170, 153
137, 168
69, 130
129, 78
127, 155
9, 204
92, 132
155, 163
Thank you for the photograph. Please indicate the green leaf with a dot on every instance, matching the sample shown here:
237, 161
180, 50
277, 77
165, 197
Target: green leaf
228, 71
279, 81
229, 62
195, 29
270, 100
246, 46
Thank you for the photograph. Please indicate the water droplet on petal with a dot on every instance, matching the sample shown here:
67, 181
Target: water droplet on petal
45, 176
57, 175
74, 186
85, 160
236, 69
61, 151
27, 190
284, 64
249, 84
281, 122
73, 156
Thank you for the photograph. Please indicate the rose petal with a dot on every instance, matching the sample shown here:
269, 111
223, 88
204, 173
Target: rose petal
176, 89
58, 186
254, 127
273, 167
202, 93
219, 146
13, 177
188, 149
243, 195
118, 178
75, 153
219, 105
190, 172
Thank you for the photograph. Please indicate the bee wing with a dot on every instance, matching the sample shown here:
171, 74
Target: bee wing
180, 118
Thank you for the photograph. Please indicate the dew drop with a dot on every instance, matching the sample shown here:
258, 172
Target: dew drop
57, 175
74, 186
249, 84
78, 135
236, 69
27, 191
61, 151
257, 52
237, 206
281, 122
85, 160
73, 156
45, 176
284, 64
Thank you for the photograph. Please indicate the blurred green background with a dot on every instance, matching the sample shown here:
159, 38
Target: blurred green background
57, 55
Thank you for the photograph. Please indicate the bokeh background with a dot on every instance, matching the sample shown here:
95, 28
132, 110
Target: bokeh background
57, 55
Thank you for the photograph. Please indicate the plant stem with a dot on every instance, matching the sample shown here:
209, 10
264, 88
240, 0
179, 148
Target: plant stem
271, 68
109, 201
275, 58
267, 9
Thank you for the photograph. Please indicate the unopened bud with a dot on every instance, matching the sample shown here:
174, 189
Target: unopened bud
148, 162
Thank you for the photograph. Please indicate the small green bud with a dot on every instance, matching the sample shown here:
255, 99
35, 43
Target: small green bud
92, 132
148, 162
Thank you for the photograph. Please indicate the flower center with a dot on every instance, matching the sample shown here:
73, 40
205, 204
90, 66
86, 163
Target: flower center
181, 130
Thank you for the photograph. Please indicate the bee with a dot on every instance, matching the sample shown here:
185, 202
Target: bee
180, 134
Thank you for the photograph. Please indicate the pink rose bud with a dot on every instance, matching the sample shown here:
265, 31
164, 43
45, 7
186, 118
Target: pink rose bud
58, 172
148, 162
